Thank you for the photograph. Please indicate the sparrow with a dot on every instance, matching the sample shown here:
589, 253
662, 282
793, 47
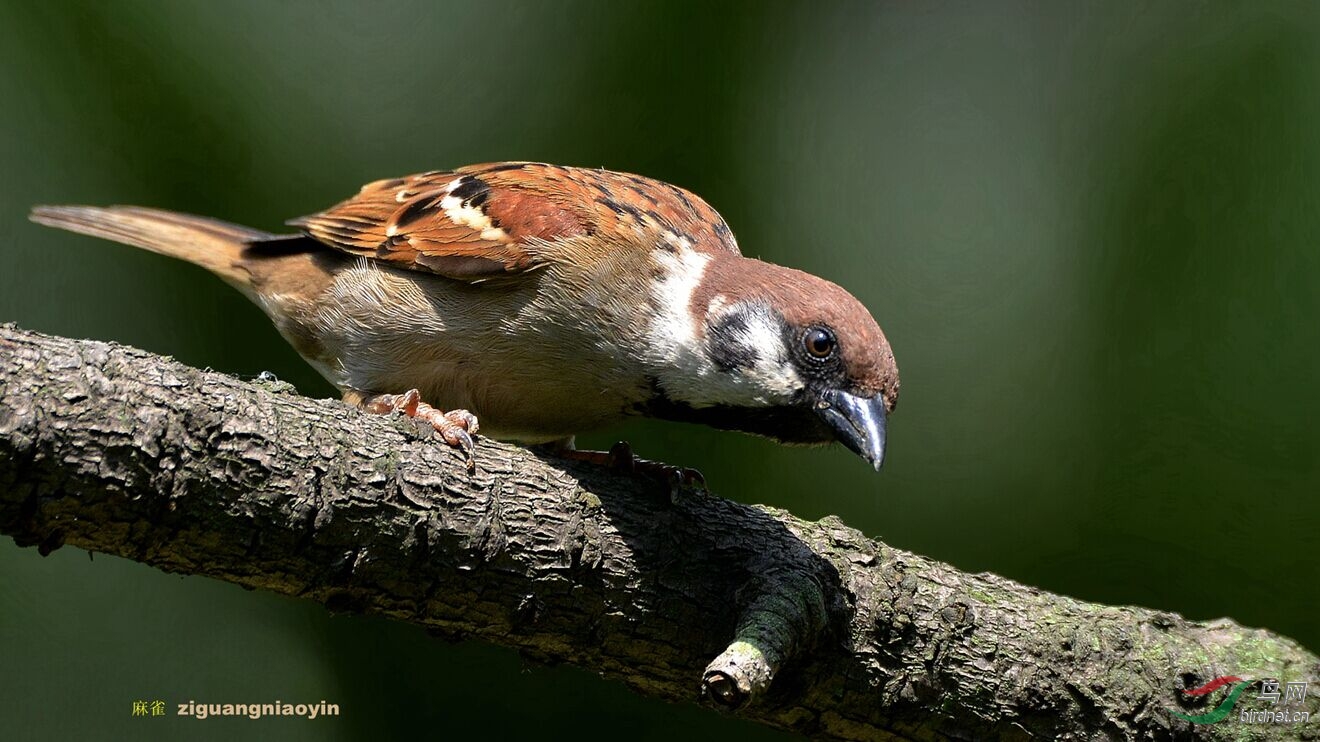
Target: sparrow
544, 301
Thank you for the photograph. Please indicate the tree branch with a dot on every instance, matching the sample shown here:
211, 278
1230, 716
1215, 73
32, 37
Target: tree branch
116, 450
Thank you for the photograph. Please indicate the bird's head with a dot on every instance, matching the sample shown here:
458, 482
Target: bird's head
773, 351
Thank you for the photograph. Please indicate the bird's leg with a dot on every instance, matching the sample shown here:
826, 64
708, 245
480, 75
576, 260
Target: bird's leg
456, 427
620, 457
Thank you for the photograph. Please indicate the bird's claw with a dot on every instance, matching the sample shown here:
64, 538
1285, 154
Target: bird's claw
461, 440
678, 479
456, 427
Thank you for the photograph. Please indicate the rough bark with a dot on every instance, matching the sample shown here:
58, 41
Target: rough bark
116, 450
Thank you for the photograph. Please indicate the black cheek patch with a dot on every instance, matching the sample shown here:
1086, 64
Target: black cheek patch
727, 349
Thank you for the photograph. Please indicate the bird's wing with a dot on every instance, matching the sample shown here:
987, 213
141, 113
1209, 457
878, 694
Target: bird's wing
487, 220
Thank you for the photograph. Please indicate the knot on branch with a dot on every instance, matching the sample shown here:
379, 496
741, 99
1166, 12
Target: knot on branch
780, 615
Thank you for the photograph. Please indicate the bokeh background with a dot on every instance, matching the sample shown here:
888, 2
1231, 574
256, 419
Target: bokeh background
1090, 230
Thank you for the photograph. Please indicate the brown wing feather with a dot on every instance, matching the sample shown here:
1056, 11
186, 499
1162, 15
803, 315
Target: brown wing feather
479, 221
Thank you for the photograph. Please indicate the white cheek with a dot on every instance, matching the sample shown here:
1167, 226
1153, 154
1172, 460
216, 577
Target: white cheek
772, 379
763, 334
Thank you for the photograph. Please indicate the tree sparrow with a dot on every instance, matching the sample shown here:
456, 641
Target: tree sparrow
544, 301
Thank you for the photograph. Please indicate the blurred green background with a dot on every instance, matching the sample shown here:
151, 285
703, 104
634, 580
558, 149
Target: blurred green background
1091, 232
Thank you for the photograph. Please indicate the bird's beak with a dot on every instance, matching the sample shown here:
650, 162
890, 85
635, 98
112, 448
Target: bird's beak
857, 422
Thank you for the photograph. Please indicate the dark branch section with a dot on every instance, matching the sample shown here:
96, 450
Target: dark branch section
115, 450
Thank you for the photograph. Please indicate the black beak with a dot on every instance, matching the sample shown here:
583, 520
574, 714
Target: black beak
857, 422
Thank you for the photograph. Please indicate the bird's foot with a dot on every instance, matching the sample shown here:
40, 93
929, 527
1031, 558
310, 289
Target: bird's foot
456, 427
620, 457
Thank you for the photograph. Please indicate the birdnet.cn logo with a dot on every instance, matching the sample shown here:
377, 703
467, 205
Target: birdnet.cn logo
1285, 702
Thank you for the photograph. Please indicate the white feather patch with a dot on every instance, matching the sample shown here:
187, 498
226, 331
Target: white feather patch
474, 218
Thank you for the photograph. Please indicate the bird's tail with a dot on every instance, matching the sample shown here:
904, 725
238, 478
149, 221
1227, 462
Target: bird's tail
215, 245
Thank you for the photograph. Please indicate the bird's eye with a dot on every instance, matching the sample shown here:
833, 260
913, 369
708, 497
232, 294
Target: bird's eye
820, 343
